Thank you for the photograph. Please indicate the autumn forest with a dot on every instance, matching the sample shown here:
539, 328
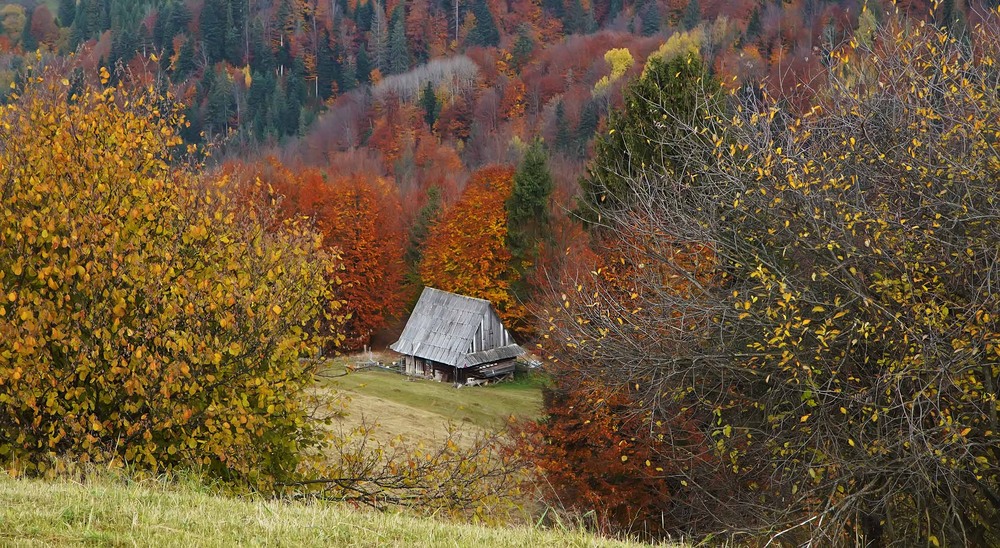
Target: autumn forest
754, 243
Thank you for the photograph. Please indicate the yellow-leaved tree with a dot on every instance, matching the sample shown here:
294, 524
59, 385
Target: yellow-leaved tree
145, 318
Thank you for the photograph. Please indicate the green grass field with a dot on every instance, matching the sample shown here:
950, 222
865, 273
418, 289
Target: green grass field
108, 512
423, 409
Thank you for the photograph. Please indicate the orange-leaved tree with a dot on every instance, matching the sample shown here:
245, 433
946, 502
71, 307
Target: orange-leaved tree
466, 251
145, 319
359, 218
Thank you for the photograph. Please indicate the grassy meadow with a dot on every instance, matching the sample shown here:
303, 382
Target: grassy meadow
116, 512
422, 410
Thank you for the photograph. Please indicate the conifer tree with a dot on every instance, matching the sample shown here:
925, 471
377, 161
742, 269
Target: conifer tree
485, 33
669, 92
528, 206
67, 12
399, 52
429, 102
28, 41
692, 15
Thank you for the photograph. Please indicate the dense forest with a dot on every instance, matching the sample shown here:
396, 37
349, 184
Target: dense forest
408, 99
754, 239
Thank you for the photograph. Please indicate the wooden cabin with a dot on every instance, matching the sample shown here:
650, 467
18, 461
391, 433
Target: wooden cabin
454, 338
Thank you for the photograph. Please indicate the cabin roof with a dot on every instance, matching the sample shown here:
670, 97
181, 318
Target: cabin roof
441, 329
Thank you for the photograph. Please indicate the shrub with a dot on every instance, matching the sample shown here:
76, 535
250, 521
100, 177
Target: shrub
145, 319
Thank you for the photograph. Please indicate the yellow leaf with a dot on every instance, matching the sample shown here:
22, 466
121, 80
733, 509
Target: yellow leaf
624, 458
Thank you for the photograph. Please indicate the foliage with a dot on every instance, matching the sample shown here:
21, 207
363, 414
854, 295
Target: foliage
839, 338
671, 94
146, 319
466, 250
358, 218
620, 60
603, 460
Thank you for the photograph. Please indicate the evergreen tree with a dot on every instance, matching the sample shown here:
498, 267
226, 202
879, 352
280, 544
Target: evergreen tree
180, 18
528, 219
649, 133
429, 102
220, 104
485, 33
349, 75
523, 48
528, 207
234, 40
327, 66
213, 30
160, 39
575, 22
81, 27
28, 41
614, 9
363, 67
692, 15
555, 8
589, 118
67, 12
753, 26
185, 60
421, 228
399, 52
562, 129
650, 19
379, 38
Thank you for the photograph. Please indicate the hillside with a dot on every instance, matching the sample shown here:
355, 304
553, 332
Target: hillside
116, 513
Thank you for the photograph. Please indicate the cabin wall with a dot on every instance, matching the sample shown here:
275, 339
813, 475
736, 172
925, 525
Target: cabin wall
490, 334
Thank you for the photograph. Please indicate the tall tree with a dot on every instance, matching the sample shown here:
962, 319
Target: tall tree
28, 41
399, 51
429, 102
485, 32
67, 12
528, 217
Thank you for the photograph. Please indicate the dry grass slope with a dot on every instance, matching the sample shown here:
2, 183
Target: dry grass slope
108, 512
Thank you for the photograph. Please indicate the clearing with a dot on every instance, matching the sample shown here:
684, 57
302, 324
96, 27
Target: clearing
421, 410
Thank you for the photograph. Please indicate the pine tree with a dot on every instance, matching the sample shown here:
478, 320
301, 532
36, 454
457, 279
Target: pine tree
562, 129
575, 22
327, 67
429, 102
485, 33
399, 52
523, 48
379, 38
185, 60
753, 26
28, 41
692, 15
363, 67
421, 227
67, 12
528, 219
528, 206
650, 20
667, 98
213, 30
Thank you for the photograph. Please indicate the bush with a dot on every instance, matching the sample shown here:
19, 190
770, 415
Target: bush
145, 318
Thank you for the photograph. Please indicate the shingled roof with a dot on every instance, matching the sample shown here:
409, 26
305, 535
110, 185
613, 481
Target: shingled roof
442, 326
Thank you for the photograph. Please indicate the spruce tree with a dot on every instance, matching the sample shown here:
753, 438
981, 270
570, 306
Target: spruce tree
67, 12
185, 60
28, 41
429, 102
650, 132
213, 30
650, 20
485, 33
692, 15
528, 222
399, 51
